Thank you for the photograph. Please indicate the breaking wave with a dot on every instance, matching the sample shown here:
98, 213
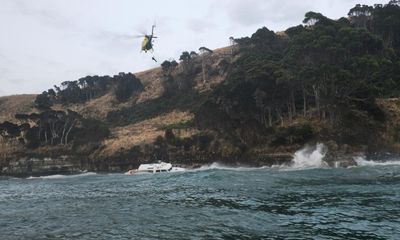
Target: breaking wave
60, 176
310, 157
362, 162
219, 166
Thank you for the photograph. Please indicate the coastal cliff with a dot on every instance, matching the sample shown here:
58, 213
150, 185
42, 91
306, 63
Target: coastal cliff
255, 103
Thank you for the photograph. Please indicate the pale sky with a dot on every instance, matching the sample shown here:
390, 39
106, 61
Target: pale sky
46, 42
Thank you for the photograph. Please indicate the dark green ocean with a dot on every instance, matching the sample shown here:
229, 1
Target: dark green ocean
210, 203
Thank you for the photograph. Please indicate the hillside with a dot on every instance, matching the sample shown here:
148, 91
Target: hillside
11, 105
254, 103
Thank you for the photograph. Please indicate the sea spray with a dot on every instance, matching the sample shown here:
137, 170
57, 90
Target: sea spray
306, 158
310, 157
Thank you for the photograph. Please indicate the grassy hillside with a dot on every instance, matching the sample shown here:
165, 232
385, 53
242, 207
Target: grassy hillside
10, 105
331, 81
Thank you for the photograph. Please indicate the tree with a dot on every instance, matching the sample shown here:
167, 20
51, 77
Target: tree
166, 66
185, 57
42, 101
193, 54
31, 139
184, 79
91, 130
312, 18
394, 2
169, 82
385, 23
174, 64
360, 15
9, 130
205, 53
186, 61
126, 86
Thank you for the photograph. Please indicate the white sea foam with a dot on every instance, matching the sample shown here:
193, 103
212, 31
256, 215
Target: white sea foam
221, 166
361, 161
59, 176
307, 158
178, 169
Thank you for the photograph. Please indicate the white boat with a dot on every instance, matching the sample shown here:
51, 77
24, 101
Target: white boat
155, 168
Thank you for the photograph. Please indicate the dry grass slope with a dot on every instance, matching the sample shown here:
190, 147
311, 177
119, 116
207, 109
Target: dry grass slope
11, 105
98, 108
145, 132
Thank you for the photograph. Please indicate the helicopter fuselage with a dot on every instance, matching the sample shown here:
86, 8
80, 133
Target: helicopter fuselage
147, 44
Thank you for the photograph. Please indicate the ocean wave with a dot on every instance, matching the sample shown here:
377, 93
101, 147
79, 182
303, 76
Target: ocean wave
60, 176
220, 166
309, 157
362, 162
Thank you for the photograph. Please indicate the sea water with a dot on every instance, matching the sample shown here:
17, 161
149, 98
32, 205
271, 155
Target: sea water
303, 201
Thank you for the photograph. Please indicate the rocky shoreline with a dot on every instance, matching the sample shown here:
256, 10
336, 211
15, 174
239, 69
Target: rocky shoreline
36, 166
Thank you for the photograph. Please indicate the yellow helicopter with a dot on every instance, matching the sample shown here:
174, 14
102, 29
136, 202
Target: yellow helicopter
147, 43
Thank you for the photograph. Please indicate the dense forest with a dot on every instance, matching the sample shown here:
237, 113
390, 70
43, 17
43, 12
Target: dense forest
326, 70
318, 81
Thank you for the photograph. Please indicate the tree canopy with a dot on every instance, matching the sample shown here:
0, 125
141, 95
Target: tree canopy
327, 69
124, 85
